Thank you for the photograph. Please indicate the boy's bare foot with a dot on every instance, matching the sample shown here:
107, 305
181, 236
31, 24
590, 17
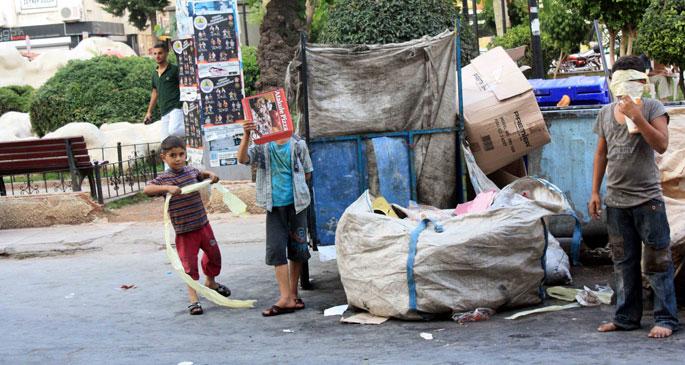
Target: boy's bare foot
660, 332
607, 327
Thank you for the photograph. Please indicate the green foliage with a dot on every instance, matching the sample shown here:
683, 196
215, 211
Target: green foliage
517, 11
391, 21
320, 19
520, 36
15, 98
250, 69
100, 90
139, 11
564, 25
615, 14
662, 33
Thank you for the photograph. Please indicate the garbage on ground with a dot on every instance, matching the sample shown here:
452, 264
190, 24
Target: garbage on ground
288, 331
364, 318
586, 296
326, 253
582, 298
426, 336
335, 311
445, 265
479, 314
128, 286
502, 117
551, 308
557, 266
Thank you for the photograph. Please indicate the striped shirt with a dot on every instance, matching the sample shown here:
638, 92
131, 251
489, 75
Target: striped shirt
187, 211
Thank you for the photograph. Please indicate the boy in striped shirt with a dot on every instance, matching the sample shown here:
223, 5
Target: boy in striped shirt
188, 216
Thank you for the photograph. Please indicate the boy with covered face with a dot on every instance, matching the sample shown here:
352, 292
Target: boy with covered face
635, 206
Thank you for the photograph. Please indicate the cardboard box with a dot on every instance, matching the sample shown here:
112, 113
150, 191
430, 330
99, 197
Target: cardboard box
270, 112
502, 119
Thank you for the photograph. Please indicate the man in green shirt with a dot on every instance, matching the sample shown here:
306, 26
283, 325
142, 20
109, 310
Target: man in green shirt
166, 93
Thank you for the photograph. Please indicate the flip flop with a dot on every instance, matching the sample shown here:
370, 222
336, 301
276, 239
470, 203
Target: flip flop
223, 290
299, 304
276, 311
195, 309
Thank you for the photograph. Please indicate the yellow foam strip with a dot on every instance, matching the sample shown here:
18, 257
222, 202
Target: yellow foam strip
236, 206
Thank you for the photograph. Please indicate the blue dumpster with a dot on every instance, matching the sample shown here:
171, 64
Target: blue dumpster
583, 90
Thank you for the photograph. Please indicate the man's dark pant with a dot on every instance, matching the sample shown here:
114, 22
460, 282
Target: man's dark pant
628, 229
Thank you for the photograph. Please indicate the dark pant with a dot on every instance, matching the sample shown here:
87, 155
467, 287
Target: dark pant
628, 229
286, 236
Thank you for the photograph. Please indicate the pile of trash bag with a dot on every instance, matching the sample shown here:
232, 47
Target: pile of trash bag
407, 266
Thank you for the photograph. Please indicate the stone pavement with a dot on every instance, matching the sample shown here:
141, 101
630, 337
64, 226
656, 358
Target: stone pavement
70, 309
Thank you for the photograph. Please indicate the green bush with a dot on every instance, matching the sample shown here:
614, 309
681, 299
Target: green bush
250, 69
391, 21
15, 98
520, 36
100, 90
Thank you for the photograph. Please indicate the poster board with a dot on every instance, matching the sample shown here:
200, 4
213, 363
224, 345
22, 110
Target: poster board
212, 84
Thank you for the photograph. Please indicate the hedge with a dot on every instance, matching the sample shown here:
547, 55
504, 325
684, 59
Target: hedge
15, 98
101, 90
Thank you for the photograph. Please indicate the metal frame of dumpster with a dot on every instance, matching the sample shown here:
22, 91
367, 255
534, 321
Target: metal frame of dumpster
460, 184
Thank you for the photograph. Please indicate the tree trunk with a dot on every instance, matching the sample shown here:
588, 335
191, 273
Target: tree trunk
612, 48
631, 39
279, 38
624, 43
561, 58
497, 10
153, 22
309, 12
681, 82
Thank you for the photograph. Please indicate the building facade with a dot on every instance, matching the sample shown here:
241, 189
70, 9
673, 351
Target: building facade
62, 24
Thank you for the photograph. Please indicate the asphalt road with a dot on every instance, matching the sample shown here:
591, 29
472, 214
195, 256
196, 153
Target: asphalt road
69, 309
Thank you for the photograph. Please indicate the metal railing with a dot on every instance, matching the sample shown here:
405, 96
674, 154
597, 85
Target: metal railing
111, 177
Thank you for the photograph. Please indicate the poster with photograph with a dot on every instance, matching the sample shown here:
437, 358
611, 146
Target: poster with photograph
216, 38
220, 97
187, 69
208, 7
195, 156
191, 119
223, 141
270, 112
184, 19
219, 69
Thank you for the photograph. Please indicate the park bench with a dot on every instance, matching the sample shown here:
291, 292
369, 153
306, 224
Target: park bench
47, 155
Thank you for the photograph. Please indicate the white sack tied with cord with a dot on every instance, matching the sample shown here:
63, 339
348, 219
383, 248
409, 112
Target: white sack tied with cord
491, 259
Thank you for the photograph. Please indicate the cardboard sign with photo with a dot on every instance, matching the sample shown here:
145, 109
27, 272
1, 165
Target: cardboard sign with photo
208, 7
215, 37
220, 100
193, 129
270, 112
187, 75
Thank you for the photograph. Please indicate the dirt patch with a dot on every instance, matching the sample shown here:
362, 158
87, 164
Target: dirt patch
151, 211
243, 190
47, 210
148, 211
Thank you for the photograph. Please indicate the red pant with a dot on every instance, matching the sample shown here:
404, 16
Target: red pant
189, 244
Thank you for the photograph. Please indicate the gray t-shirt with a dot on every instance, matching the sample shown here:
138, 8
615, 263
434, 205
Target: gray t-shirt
632, 174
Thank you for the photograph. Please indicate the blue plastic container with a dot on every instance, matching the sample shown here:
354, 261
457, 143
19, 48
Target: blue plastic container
583, 90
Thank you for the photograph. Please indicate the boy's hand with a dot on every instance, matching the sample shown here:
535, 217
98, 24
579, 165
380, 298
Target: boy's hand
595, 206
148, 118
627, 106
174, 190
214, 178
249, 127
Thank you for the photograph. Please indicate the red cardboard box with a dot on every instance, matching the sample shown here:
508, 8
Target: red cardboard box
270, 112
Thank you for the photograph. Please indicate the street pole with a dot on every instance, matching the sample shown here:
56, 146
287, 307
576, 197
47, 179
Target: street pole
538, 67
465, 10
475, 24
504, 16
